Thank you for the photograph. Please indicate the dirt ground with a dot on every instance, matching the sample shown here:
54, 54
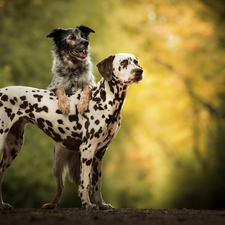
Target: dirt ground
119, 216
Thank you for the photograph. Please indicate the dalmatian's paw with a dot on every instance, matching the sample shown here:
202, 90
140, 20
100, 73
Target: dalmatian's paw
90, 207
105, 206
83, 103
6, 206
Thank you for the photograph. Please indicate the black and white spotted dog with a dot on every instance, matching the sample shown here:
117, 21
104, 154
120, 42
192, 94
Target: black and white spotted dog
88, 134
72, 69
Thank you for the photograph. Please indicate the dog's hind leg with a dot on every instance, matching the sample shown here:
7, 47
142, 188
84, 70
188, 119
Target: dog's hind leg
73, 161
96, 180
59, 169
11, 146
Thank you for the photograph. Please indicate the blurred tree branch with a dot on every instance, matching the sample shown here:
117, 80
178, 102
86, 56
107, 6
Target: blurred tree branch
209, 106
218, 6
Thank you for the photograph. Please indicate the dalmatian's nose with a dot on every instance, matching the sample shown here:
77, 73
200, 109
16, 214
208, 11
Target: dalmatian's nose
137, 72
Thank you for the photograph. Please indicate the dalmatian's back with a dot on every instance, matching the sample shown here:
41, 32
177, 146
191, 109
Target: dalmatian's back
40, 108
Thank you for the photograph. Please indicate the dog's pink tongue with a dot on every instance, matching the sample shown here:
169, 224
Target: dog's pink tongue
82, 54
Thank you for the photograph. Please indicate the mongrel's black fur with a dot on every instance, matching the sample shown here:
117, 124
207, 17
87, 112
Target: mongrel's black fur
70, 72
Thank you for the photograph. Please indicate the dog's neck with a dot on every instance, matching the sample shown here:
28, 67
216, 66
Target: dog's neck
112, 93
64, 66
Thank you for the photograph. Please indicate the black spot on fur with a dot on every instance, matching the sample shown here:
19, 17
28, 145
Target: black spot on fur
13, 153
61, 130
6, 130
49, 123
97, 134
23, 98
40, 109
97, 122
12, 116
58, 111
103, 95
9, 113
40, 122
72, 143
79, 126
100, 153
39, 97
88, 163
86, 125
12, 101
73, 118
24, 105
60, 121
4, 98
19, 113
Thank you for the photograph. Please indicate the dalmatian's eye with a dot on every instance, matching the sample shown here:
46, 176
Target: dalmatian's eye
124, 63
135, 62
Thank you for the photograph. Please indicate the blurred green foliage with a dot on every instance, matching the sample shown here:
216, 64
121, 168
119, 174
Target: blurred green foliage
170, 150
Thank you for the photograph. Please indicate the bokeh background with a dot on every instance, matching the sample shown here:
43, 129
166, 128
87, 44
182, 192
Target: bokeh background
170, 151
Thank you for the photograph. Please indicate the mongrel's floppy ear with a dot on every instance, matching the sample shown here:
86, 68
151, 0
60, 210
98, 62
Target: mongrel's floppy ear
86, 30
105, 67
56, 34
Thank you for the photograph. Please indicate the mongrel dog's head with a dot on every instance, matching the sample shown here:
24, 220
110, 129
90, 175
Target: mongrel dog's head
123, 66
72, 42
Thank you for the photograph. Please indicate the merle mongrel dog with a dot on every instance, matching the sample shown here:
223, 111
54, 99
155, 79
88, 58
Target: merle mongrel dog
72, 67
72, 71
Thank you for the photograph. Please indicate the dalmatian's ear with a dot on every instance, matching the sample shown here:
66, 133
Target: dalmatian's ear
105, 67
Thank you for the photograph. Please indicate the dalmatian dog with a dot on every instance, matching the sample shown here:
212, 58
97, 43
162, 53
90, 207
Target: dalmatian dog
88, 134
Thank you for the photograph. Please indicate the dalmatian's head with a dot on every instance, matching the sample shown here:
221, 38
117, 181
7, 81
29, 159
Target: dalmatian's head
123, 66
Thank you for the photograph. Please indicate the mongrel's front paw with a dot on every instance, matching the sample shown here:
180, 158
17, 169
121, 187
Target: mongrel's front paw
83, 103
63, 105
63, 102
82, 106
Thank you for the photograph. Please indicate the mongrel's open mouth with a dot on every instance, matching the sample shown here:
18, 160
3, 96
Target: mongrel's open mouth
81, 54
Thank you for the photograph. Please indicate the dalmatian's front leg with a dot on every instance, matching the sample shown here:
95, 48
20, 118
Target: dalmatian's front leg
83, 187
83, 103
97, 180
